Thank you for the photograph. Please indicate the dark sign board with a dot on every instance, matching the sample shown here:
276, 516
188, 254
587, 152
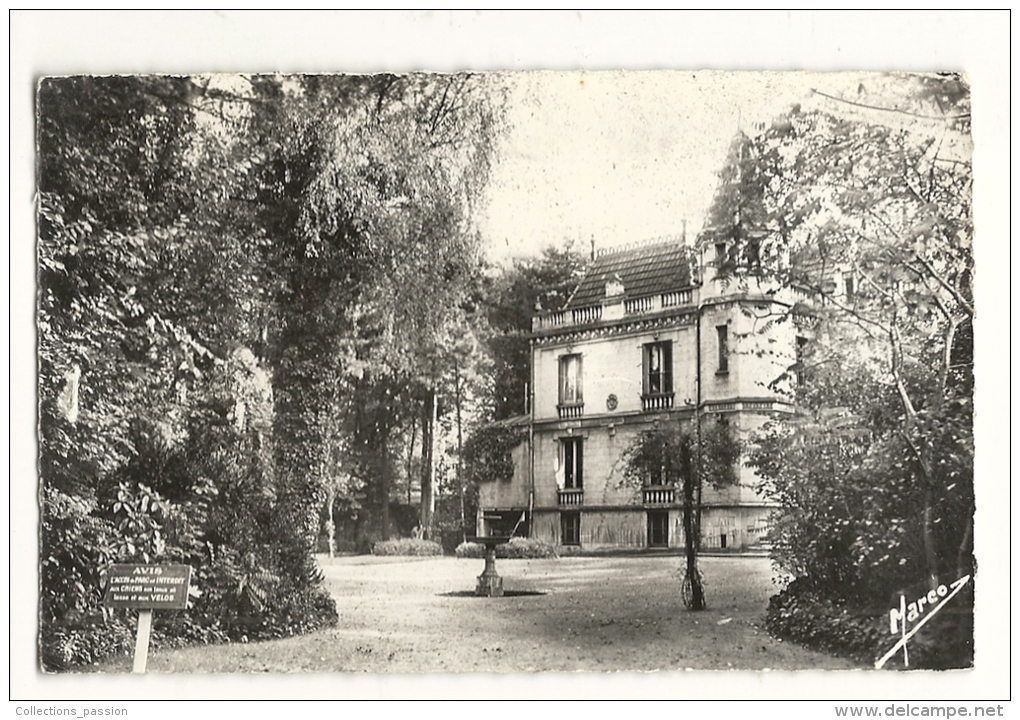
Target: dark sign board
155, 587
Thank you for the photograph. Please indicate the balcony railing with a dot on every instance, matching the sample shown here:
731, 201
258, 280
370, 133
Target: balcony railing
631, 306
801, 294
586, 314
657, 494
570, 496
679, 297
638, 305
552, 320
577, 316
658, 401
571, 410
653, 303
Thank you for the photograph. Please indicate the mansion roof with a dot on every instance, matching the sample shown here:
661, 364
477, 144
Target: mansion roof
648, 269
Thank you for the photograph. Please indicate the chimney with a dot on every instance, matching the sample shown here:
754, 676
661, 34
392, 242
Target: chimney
593, 247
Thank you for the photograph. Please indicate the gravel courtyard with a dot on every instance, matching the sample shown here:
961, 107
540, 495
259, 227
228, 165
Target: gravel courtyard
593, 614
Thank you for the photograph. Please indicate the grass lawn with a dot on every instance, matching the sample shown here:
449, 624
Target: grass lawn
402, 615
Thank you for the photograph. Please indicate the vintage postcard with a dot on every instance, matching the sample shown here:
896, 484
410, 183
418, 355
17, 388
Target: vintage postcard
477, 374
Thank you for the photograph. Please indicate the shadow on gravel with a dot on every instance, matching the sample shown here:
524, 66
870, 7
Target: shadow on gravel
506, 593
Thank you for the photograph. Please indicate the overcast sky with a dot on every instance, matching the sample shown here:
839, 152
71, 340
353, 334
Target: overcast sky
621, 157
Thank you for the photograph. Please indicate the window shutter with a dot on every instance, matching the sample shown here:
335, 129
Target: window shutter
563, 379
646, 367
579, 475
667, 367
579, 396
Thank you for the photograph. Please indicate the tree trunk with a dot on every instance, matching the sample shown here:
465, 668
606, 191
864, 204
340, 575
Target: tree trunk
694, 590
410, 455
330, 523
923, 474
963, 567
428, 469
460, 449
929, 541
384, 498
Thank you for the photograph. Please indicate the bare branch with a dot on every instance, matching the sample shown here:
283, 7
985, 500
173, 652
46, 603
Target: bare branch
966, 306
963, 116
947, 353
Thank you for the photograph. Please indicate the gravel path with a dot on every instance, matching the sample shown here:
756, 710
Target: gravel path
412, 615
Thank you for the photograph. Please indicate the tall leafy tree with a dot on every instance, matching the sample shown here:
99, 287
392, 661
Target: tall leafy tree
512, 297
861, 205
226, 266
686, 456
380, 247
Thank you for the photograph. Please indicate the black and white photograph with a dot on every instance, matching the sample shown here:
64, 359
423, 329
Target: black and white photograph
510, 374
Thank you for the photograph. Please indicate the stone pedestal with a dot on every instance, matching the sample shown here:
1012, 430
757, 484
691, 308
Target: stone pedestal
489, 583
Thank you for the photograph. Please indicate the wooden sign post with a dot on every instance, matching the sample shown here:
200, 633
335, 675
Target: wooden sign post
142, 641
147, 588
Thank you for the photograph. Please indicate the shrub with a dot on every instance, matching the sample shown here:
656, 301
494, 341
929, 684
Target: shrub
469, 550
526, 548
518, 548
85, 642
254, 576
407, 546
181, 628
76, 545
250, 596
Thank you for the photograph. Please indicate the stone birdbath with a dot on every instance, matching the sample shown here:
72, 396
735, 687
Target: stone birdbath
490, 584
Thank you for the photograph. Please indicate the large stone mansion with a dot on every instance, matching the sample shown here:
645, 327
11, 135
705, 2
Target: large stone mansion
650, 335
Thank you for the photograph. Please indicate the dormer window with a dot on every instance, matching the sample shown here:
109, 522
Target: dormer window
614, 286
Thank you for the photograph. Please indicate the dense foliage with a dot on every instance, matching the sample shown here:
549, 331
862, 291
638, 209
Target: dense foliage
511, 299
810, 615
864, 209
247, 285
487, 453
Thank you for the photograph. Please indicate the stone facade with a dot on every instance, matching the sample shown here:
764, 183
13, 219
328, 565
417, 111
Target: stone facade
650, 336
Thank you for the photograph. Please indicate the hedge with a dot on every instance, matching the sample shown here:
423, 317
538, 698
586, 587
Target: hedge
517, 548
407, 546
